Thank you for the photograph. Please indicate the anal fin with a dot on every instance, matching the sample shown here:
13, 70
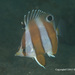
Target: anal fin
40, 59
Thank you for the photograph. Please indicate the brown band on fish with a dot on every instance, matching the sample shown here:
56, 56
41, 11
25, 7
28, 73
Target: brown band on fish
36, 39
23, 41
41, 59
52, 35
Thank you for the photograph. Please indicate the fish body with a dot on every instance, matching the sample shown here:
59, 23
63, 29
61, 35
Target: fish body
39, 37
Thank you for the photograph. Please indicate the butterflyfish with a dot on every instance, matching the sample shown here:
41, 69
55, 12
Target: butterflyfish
39, 37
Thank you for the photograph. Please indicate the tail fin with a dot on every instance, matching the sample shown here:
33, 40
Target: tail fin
62, 31
61, 28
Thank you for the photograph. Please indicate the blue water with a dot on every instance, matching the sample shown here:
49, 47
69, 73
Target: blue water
11, 15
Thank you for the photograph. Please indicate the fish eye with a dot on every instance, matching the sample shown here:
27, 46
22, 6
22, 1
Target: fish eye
49, 18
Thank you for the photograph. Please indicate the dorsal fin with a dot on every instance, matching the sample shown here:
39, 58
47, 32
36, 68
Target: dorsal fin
32, 15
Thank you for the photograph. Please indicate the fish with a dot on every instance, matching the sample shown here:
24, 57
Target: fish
40, 36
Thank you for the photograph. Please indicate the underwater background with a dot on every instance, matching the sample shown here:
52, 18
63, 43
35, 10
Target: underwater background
12, 13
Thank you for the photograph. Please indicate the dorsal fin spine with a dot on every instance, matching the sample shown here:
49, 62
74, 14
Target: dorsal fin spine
32, 15
25, 20
28, 17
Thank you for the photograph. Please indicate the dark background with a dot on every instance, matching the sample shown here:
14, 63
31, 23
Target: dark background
11, 15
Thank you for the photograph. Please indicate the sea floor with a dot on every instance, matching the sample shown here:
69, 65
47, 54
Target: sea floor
11, 65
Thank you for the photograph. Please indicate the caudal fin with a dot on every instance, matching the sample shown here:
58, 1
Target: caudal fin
62, 31
61, 28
